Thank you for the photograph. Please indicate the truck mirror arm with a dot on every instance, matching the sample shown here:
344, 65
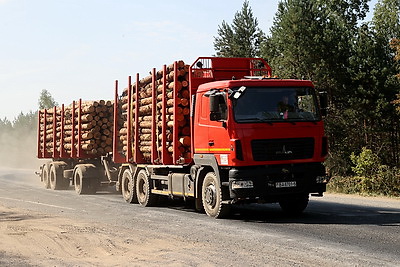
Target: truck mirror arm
323, 102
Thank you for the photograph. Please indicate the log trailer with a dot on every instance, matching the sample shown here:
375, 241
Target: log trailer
221, 131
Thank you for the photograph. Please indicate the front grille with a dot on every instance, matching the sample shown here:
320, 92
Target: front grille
282, 149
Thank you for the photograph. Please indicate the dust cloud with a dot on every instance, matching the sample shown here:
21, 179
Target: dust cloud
18, 148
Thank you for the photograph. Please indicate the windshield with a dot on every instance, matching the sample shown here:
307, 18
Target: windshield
265, 104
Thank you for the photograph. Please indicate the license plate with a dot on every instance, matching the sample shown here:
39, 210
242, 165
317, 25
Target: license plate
285, 184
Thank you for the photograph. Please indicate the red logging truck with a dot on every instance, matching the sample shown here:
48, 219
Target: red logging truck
221, 131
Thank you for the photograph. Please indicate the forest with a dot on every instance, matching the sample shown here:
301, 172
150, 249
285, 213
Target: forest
356, 62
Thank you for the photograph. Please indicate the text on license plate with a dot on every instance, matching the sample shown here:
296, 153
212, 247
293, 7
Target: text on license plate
285, 184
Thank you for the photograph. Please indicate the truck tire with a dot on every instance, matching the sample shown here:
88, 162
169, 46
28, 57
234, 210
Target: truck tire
128, 187
85, 180
46, 175
57, 180
212, 197
143, 190
294, 205
198, 204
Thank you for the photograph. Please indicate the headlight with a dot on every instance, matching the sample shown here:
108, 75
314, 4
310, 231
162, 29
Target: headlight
322, 179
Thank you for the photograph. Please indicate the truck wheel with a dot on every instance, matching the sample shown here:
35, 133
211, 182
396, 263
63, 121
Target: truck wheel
143, 190
57, 180
46, 175
198, 205
212, 197
128, 187
294, 205
81, 181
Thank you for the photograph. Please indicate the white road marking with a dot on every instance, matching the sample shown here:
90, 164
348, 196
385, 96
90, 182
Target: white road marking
37, 203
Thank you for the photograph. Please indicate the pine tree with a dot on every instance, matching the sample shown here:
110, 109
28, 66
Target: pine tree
241, 39
314, 39
46, 100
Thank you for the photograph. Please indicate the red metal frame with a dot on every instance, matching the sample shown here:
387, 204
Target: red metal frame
176, 154
63, 153
39, 151
154, 152
80, 152
129, 122
45, 154
207, 69
165, 156
138, 156
54, 154
73, 148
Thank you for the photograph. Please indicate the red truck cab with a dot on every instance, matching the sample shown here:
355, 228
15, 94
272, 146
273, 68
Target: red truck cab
263, 136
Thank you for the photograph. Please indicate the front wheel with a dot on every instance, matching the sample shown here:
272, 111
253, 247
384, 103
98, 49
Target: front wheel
294, 205
212, 197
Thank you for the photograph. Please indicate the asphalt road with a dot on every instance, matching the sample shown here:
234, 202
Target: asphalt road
335, 229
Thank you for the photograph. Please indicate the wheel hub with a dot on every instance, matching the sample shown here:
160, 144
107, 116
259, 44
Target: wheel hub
210, 195
127, 186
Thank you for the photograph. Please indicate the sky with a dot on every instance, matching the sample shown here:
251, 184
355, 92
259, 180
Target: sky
78, 48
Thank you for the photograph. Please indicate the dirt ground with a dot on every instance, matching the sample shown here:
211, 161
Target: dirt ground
33, 239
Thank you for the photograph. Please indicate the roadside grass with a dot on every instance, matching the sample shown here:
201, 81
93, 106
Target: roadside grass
382, 184
370, 177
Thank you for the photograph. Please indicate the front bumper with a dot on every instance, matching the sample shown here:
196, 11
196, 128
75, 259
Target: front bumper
275, 181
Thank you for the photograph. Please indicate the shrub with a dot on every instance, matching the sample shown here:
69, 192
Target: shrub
371, 177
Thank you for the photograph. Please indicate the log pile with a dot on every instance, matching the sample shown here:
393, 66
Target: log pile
176, 98
96, 120
46, 129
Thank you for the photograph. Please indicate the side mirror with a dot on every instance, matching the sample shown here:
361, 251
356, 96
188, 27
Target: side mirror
215, 113
323, 102
218, 106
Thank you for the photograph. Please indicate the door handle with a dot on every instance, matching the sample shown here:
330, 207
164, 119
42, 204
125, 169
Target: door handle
211, 142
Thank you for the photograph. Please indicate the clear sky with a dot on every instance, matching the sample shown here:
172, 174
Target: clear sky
78, 48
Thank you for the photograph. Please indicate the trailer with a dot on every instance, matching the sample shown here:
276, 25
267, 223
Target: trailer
220, 131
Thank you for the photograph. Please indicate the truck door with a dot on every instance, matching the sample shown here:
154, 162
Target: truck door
211, 137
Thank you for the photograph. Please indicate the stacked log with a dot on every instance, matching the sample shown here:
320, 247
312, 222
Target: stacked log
46, 128
176, 98
96, 122
123, 122
177, 101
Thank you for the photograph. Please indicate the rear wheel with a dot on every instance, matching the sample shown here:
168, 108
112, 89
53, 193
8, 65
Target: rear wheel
46, 175
128, 187
143, 190
85, 179
57, 180
212, 197
294, 205
80, 183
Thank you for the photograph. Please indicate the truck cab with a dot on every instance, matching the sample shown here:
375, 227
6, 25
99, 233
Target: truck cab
264, 138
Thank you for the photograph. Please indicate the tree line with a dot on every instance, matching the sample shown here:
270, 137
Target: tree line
355, 61
27, 121
18, 137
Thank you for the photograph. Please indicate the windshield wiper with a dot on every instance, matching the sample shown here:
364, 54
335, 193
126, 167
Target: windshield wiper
257, 120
